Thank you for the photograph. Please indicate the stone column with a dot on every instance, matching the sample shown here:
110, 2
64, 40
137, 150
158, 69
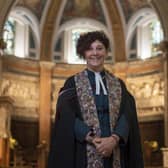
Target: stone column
165, 157
164, 48
6, 108
166, 104
0, 70
44, 111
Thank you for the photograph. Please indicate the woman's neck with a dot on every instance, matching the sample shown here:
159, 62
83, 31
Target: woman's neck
95, 69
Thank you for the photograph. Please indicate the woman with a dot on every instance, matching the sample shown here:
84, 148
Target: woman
96, 122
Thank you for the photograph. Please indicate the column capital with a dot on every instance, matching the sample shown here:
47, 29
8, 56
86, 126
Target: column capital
46, 64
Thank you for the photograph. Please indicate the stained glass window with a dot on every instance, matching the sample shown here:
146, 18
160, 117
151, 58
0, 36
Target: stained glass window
156, 35
9, 35
146, 38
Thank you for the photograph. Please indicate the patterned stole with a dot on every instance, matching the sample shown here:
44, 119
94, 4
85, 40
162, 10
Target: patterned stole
89, 113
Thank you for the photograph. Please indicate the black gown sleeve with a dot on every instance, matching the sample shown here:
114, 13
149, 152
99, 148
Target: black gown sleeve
61, 152
132, 151
64, 150
122, 129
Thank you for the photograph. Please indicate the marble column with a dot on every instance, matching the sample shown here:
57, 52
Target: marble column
44, 111
6, 108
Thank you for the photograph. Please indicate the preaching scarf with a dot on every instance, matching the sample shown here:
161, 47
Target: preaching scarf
90, 117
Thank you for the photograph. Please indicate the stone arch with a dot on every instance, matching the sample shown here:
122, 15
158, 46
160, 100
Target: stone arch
162, 10
137, 18
117, 30
27, 17
5, 7
48, 30
80, 23
114, 19
140, 17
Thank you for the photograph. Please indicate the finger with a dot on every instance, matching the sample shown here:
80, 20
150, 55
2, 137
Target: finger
97, 140
100, 149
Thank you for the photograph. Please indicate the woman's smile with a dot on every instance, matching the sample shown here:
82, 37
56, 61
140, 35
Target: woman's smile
95, 56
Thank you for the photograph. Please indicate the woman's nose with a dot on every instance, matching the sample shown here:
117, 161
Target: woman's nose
94, 51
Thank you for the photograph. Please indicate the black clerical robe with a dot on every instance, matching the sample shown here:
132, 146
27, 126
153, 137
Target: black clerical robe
66, 151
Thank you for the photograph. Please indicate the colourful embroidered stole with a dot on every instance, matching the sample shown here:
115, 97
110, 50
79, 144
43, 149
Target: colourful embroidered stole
89, 113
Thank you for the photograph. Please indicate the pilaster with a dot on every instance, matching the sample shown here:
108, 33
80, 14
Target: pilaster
165, 157
44, 111
6, 108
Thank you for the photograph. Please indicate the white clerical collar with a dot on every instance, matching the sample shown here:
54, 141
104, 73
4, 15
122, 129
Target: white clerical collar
98, 80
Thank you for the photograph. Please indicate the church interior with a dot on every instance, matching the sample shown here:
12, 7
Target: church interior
37, 54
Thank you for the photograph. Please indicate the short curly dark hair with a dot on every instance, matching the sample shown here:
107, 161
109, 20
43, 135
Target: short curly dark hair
86, 39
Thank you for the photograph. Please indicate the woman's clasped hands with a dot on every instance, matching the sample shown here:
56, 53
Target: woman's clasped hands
105, 145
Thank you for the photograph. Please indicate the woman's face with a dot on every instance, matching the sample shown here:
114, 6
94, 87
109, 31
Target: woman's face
95, 56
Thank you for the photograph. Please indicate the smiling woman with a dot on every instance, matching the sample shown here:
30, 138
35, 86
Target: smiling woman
95, 56
93, 47
94, 109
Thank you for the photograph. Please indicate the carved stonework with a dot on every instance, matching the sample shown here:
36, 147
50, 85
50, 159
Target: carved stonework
148, 91
24, 90
6, 108
20, 90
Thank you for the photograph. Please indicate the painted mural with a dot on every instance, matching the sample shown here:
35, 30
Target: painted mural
88, 8
130, 6
36, 6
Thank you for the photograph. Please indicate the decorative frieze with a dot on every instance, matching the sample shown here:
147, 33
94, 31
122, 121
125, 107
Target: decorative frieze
25, 90
148, 91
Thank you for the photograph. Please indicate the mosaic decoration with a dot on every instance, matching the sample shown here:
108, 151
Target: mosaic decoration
88, 8
36, 6
130, 6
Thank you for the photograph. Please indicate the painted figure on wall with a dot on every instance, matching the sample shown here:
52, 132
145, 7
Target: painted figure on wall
36, 6
88, 8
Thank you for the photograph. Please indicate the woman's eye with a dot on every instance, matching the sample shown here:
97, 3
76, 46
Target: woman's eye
100, 48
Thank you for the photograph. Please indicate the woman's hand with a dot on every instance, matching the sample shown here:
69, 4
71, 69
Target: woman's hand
105, 146
89, 138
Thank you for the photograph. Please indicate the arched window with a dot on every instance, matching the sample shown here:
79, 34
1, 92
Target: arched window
156, 36
144, 34
9, 35
65, 45
73, 37
21, 35
16, 37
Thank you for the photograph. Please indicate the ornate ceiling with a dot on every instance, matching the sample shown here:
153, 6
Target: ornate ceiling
74, 8
112, 13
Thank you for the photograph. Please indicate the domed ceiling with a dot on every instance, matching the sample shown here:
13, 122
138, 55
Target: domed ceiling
88, 8
36, 6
